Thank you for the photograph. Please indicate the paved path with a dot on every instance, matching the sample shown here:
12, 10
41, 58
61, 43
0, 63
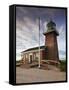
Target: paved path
38, 75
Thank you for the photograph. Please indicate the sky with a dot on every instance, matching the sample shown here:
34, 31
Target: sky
27, 28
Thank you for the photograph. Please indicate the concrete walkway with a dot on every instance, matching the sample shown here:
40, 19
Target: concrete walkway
38, 75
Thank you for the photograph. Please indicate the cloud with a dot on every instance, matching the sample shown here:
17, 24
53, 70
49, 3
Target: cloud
62, 55
62, 41
62, 37
27, 27
27, 33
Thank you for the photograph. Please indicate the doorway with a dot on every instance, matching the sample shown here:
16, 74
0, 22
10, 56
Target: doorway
31, 58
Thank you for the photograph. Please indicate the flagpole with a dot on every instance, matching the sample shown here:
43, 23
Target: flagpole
39, 42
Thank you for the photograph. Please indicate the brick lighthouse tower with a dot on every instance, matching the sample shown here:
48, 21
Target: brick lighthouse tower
51, 41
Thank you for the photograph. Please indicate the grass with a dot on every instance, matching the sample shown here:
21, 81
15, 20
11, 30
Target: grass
62, 65
18, 61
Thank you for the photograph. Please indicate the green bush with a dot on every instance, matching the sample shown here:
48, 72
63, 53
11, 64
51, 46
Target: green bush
18, 61
63, 65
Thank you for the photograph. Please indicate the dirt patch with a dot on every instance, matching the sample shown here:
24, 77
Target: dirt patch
38, 75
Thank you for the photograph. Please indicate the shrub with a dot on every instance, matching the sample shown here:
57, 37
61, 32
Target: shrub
63, 65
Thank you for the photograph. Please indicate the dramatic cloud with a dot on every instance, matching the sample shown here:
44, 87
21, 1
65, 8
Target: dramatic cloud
27, 27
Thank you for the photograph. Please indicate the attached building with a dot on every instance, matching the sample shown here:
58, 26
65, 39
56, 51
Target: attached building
47, 52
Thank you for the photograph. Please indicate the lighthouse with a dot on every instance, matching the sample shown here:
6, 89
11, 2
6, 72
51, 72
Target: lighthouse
51, 41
